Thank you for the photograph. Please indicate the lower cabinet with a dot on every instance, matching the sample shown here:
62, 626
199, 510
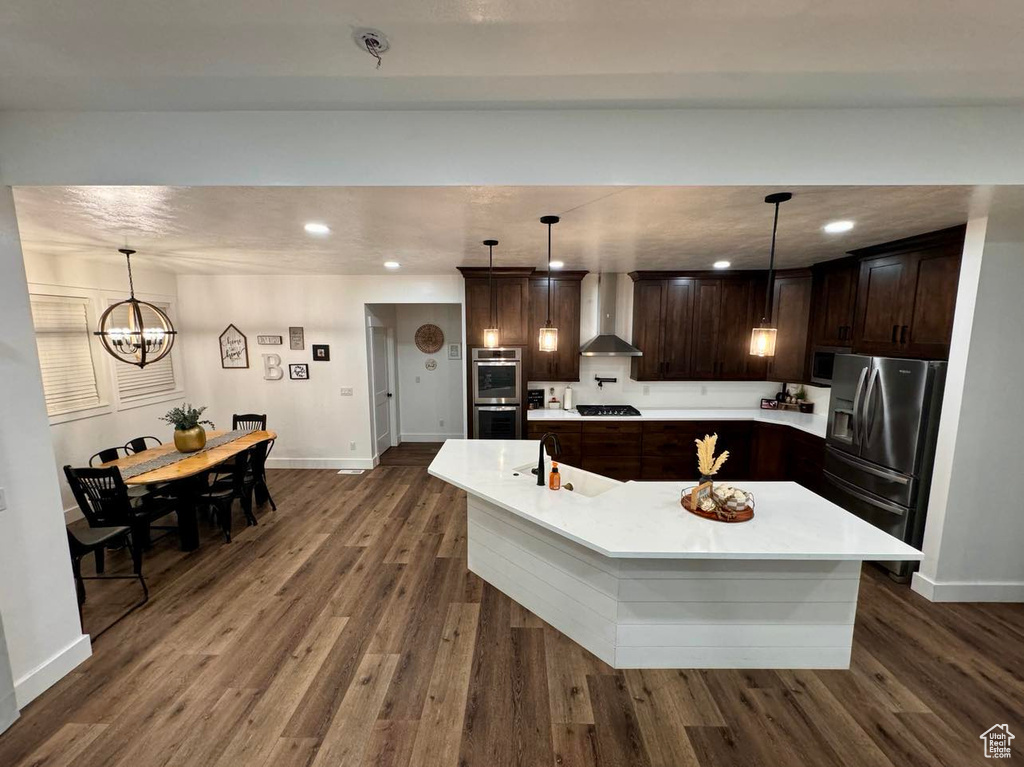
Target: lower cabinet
664, 451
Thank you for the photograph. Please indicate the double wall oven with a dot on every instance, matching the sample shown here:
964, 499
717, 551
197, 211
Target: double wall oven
497, 385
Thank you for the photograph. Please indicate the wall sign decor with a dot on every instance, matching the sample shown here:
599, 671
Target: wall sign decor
296, 339
234, 348
430, 364
269, 340
321, 353
298, 371
272, 367
429, 338
455, 351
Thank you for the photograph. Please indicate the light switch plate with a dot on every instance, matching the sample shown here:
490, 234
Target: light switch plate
346, 391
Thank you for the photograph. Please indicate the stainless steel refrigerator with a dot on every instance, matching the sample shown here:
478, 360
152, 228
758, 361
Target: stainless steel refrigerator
880, 446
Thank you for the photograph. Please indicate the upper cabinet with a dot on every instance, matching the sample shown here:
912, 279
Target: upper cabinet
906, 295
662, 315
791, 312
563, 364
511, 301
835, 302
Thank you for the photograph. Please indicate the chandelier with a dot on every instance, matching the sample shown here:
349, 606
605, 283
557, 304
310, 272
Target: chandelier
134, 331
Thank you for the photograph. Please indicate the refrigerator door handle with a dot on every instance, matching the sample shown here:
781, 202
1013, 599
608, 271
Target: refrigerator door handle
860, 495
868, 416
868, 469
855, 415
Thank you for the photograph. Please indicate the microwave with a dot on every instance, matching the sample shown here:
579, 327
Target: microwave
823, 360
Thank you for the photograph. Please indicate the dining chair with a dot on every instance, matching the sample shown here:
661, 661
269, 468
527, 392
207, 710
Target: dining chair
103, 499
139, 444
92, 540
259, 471
109, 454
249, 421
224, 488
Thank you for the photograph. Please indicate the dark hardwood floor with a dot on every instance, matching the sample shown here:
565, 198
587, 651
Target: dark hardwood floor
410, 454
346, 630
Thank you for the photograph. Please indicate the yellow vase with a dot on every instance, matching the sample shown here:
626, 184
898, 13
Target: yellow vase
190, 440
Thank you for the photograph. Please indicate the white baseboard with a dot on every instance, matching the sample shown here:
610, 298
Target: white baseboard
423, 437
967, 591
51, 671
72, 514
320, 463
8, 711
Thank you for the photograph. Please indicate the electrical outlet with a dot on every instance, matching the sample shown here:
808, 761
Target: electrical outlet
647, 390
703, 391
346, 391
417, 379
351, 445
442, 422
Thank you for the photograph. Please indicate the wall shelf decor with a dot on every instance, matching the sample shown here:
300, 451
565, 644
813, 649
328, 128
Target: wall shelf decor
321, 353
234, 348
298, 371
429, 338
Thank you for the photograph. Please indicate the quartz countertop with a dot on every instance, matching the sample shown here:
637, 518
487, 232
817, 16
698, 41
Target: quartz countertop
645, 519
812, 423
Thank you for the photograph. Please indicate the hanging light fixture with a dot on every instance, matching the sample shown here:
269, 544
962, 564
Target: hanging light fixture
142, 334
492, 338
548, 334
762, 339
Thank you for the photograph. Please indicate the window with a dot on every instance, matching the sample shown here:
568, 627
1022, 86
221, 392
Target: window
65, 353
135, 383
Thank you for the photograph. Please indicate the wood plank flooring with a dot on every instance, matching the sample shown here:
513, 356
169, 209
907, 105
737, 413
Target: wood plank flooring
346, 630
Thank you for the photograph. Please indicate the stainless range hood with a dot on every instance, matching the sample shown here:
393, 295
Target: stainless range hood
606, 343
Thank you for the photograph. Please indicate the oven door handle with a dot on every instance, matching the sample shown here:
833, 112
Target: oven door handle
495, 408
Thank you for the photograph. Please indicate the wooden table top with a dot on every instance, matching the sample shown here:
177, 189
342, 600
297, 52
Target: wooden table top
194, 464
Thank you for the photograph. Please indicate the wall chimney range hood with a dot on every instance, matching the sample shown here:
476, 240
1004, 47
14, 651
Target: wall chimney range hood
606, 343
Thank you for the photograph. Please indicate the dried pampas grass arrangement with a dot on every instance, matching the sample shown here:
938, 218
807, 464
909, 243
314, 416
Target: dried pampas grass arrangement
706, 461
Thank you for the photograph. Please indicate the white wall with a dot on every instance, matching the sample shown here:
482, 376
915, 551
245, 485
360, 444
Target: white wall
37, 594
76, 438
431, 403
974, 538
315, 424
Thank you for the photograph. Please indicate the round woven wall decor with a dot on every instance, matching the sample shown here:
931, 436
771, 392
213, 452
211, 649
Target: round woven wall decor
429, 338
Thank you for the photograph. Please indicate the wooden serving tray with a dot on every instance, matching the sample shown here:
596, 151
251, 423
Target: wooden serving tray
723, 515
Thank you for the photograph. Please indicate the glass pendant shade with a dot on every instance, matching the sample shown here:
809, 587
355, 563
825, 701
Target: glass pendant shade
492, 339
549, 339
134, 331
762, 342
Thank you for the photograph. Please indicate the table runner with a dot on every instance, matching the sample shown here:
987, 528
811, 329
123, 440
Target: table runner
166, 459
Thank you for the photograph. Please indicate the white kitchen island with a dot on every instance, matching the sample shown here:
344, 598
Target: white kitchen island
625, 571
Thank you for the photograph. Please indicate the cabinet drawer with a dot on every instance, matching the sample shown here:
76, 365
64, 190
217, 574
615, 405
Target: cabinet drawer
570, 444
673, 438
537, 429
616, 467
668, 468
615, 427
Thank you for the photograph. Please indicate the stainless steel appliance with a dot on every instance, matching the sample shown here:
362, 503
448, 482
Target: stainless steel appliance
621, 411
880, 444
497, 381
823, 360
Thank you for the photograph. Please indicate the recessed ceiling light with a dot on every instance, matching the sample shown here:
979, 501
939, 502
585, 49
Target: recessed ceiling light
391, 264
722, 264
838, 227
557, 264
314, 228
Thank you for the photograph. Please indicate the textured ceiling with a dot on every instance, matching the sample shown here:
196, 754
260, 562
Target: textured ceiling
268, 54
431, 230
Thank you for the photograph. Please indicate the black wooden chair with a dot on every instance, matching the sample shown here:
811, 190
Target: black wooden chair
93, 540
109, 454
249, 421
139, 444
259, 455
224, 487
103, 499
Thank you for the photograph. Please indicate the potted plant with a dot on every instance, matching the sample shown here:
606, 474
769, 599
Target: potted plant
801, 400
189, 434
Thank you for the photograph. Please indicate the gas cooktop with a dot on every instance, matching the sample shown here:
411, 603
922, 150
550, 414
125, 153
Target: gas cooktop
608, 410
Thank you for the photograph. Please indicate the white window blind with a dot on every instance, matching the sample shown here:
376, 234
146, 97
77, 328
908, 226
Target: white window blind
135, 383
65, 353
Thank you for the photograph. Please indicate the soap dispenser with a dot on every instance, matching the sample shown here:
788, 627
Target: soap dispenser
554, 478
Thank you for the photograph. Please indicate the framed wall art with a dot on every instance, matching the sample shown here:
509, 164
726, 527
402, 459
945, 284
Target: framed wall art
234, 348
321, 353
298, 371
455, 351
296, 339
269, 340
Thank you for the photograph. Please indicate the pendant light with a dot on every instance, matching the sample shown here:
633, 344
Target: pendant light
492, 338
762, 339
548, 333
143, 335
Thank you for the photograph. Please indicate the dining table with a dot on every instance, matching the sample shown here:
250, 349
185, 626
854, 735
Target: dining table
186, 477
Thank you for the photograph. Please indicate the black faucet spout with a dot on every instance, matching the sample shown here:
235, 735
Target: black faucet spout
540, 456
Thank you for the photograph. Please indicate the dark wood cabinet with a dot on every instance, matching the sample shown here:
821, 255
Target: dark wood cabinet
668, 451
725, 311
511, 301
835, 302
906, 295
791, 312
707, 320
662, 317
563, 364
612, 448
569, 438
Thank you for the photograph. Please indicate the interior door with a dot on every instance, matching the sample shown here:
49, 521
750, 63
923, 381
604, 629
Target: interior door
381, 381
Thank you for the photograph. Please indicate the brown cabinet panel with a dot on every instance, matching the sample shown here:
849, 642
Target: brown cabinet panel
791, 312
611, 439
676, 331
706, 321
564, 363
623, 468
511, 302
670, 438
648, 320
929, 319
742, 306
537, 429
835, 303
879, 304
668, 469
769, 459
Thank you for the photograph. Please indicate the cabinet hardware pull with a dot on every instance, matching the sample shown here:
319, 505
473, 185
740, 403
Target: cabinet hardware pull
903, 334
895, 328
841, 328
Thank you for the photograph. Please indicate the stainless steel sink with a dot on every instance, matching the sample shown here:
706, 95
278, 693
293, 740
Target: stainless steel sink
583, 482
